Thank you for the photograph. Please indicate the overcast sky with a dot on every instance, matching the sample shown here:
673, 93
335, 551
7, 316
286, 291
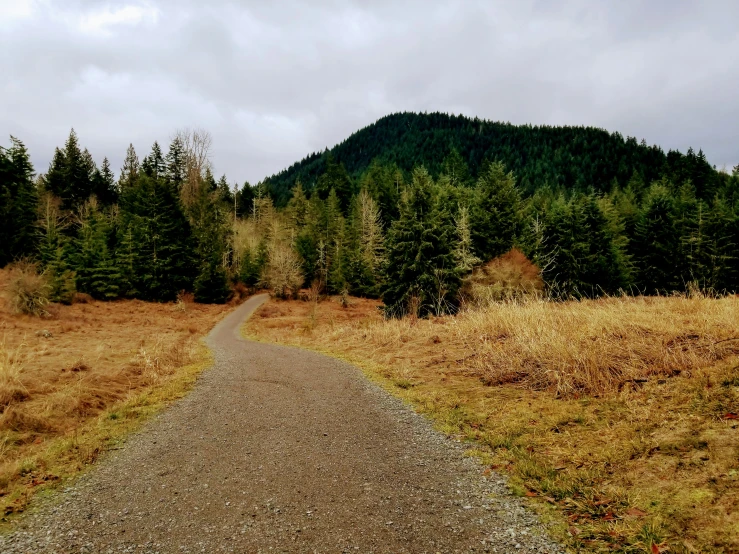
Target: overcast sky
274, 81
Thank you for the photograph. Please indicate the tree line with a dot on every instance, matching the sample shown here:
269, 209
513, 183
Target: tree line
562, 158
166, 225
161, 228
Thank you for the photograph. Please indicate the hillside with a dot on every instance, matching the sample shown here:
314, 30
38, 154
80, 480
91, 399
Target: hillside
578, 158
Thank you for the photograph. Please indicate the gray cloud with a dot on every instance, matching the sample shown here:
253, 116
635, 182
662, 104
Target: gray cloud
274, 81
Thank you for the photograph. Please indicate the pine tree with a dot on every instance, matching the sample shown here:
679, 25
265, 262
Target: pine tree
18, 200
70, 175
176, 164
298, 207
209, 219
421, 275
244, 200
456, 169
337, 179
53, 250
333, 230
130, 170
466, 259
364, 250
154, 165
656, 243
495, 212
152, 214
96, 272
104, 185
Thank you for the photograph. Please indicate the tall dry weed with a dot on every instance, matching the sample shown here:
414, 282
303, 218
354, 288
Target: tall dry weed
27, 291
569, 348
597, 346
160, 359
11, 366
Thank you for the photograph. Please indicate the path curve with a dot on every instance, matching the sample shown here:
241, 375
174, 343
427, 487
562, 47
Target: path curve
278, 449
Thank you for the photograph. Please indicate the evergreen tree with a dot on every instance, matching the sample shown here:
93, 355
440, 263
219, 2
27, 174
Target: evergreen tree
95, 268
466, 259
53, 250
70, 175
495, 212
130, 170
154, 165
209, 219
152, 215
421, 274
104, 186
656, 243
456, 169
384, 184
176, 164
18, 200
253, 265
337, 179
297, 207
364, 247
244, 200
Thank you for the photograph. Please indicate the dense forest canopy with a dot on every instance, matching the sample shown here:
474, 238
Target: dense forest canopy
561, 158
410, 210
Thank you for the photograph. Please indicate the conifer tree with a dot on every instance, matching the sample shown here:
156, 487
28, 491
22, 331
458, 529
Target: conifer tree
337, 179
95, 268
364, 250
18, 200
421, 275
176, 164
656, 242
495, 212
70, 175
244, 200
104, 186
153, 164
53, 250
209, 220
332, 235
298, 207
152, 214
130, 170
456, 169
466, 259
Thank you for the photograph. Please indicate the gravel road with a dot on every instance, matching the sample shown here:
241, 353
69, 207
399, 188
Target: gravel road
279, 449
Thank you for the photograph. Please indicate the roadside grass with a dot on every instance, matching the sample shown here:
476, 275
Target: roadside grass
615, 416
74, 383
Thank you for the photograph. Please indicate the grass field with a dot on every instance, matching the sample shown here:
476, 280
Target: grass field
74, 383
618, 417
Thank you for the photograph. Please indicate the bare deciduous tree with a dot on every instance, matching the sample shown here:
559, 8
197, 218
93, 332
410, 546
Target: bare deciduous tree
283, 274
371, 231
196, 144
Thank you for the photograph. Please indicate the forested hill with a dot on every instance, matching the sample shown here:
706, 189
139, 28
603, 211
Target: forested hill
572, 158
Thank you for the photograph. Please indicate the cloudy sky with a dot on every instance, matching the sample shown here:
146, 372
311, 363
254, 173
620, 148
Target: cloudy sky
274, 81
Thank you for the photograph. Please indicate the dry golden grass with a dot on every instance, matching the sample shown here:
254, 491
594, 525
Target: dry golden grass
617, 415
62, 377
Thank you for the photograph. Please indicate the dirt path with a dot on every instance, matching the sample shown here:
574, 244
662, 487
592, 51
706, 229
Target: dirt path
282, 450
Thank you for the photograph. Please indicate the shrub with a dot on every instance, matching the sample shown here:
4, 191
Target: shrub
506, 277
62, 285
211, 286
283, 274
28, 290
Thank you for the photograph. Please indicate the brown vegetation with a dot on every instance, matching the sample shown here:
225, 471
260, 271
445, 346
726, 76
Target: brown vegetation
506, 277
618, 414
26, 291
60, 374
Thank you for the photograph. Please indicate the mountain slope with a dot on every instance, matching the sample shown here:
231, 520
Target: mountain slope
576, 158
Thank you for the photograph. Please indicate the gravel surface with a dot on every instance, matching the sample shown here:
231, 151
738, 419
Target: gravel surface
279, 449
